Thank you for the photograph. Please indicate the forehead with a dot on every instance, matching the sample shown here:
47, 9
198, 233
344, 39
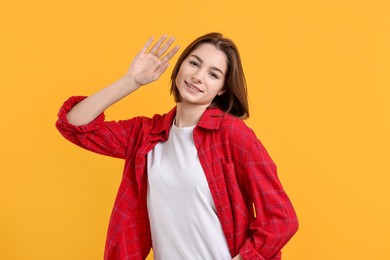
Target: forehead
210, 56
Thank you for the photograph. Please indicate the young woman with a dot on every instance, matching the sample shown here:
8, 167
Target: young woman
197, 183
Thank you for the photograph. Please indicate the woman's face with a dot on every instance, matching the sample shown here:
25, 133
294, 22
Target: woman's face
202, 75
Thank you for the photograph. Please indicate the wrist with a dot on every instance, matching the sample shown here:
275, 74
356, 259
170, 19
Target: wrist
131, 82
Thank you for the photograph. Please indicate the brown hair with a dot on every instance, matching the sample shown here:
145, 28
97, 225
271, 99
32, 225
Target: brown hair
235, 98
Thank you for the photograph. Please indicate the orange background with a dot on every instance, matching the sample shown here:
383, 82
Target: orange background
318, 78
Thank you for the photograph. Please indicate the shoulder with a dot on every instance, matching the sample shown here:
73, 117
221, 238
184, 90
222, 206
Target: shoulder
156, 120
162, 122
158, 123
237, 130
243, 142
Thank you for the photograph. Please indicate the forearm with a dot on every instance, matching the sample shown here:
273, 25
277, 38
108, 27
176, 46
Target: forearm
145, 68
88, 109
276, 221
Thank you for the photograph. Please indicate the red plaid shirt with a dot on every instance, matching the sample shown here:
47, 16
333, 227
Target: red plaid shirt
238, 169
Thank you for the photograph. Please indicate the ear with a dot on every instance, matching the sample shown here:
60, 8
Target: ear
221, 92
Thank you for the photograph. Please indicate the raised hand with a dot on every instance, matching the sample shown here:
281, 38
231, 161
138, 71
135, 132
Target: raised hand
148, 66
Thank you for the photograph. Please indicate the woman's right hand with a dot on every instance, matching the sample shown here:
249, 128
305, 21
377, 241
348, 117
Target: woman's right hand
148, 66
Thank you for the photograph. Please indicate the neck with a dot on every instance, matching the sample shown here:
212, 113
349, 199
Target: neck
187, 115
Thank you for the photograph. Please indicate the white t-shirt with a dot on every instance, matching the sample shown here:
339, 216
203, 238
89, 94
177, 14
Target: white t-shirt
182, 214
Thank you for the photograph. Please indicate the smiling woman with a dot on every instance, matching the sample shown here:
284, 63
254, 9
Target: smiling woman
193, 175
201, 77
234, 101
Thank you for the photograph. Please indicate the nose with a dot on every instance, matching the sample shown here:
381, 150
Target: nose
196, 78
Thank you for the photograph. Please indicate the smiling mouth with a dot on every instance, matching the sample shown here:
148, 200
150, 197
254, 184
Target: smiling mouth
193, 87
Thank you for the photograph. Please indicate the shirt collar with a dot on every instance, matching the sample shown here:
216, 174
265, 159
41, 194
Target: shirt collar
211, 120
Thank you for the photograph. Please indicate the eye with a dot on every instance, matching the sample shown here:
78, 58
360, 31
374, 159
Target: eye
193, 63
213, 75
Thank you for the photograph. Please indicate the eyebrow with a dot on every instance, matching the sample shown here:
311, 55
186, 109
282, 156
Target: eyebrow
201, 61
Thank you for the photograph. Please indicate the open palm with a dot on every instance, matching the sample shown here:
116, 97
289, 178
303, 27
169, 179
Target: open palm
148, 66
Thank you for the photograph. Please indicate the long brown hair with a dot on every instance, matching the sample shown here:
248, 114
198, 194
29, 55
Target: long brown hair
235, 98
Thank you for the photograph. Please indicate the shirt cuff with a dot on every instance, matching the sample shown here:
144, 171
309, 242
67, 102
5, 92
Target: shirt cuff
247, 252
63, 123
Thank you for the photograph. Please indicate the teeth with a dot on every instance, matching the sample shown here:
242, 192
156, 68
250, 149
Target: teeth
193, 87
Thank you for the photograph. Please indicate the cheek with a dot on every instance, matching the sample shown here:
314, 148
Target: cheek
216, 85
178, 77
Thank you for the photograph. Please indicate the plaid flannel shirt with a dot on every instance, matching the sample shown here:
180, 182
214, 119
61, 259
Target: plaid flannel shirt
256, 215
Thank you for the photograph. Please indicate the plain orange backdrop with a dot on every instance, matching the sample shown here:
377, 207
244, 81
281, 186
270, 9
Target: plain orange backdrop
318, 79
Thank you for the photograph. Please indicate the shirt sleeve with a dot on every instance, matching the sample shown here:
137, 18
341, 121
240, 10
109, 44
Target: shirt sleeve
275, 221
108, 138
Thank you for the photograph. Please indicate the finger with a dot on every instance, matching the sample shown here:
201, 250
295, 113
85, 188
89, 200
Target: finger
158, 44
161, 69
165, 47
170, 54
147, 44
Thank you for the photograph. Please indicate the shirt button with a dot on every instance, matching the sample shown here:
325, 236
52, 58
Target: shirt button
211, 182
220, 208
201, 155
